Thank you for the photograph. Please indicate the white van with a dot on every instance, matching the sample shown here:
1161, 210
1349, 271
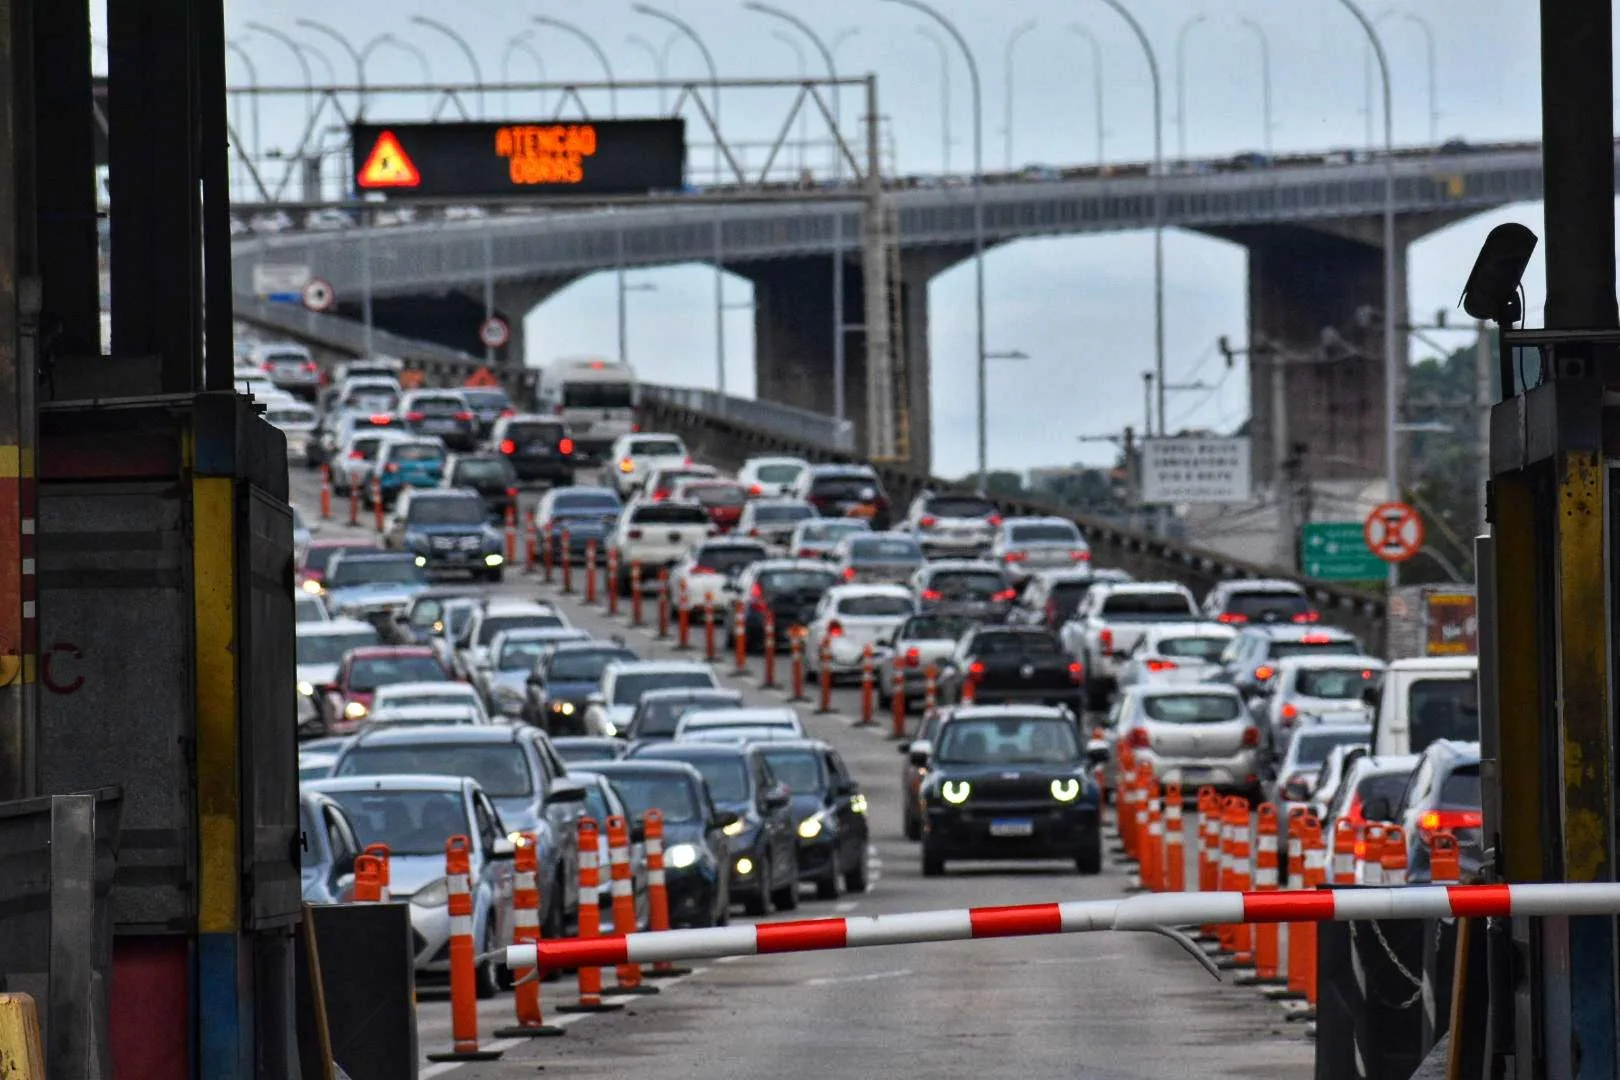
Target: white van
596, 399
1426, 699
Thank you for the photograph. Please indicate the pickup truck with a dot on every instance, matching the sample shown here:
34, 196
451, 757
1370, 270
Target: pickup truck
1109, 622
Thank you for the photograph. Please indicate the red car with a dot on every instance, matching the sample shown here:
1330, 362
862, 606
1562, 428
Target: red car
661, 485
349, 701
722, 500
312, 574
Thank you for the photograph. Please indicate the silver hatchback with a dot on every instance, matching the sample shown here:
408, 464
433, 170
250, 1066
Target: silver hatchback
1192, 735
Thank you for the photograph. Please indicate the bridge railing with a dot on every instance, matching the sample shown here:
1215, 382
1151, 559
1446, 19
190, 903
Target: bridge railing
791, 423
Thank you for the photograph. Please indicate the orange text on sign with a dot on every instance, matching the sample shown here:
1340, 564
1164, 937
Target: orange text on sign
546, 153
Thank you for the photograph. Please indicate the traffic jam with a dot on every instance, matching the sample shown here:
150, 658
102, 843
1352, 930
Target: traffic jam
559, 677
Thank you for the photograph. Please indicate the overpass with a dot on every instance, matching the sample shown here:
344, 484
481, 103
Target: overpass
1309, 222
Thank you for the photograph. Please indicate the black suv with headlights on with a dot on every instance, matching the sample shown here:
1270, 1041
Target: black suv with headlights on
1010, 782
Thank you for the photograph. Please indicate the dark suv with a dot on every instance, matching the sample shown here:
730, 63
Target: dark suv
539, 448
491, 475
1443, 796
789, 589
1242, 602
847, 491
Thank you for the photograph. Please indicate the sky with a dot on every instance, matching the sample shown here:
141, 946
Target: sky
1080, 308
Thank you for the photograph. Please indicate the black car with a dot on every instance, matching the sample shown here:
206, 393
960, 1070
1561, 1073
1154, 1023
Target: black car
829, 813
447, 530
659, 711
848, 491
1014, 663
489, 404
491, 475
539, 448
764, 852
557, 689
789, 589
582, 514
697, 863
1009, 782
444, 414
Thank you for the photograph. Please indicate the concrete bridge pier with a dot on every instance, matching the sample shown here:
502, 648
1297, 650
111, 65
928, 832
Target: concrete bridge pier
452, 317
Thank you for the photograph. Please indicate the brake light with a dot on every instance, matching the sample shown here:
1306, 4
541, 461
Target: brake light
465, 416
688, 460
1230, 618
1290, 714
626, 465
1251, 736
508, 446
804, 553
633, 534
932, 594
635, 429
391, 468
1160, 665
1105, 641
757, 597
565, 446
835, 629
976, 669
1308, 617
1433, 821
849, 573
928, 521
993, 519
753, 532
1077, 673
508, 412
356, 455
1014, 556
512, 493
1264, 672
1317, 639
381, 419
1138, 739
701, 569
755, 489
660, 495
413, 417
1080, 555
309, 365
913, 658
1005, 596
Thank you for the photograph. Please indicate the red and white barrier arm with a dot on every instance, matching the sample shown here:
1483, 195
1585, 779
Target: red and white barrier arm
1142, 912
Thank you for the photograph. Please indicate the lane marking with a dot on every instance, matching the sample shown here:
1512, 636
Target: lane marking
875, 976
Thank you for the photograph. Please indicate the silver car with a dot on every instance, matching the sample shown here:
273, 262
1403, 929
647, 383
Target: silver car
817, 538
1310, 690
949, 524
878, 559
328, 847
1176, 653
1192, 735
922, 641
1025, 545
980, 590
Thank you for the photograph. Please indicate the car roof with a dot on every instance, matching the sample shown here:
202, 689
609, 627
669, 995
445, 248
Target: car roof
733, 542
332, 627
679, 750
960, 564
1294, 632
841, 591
415, 440
1434, 663
763, 565
1176, 689
377, 555
779, 503
649, 667
1190, 628
688, 693
1276, 585
588, 644
447, 689
1077, 574
368, 652
646, 765
493, 734
393, 782
996, 712
355, 545
815, 745
419, 494
753, 715
1045, 519
1384, 764
1330, 662
449, 706
774, 459
501, 605
1132, 588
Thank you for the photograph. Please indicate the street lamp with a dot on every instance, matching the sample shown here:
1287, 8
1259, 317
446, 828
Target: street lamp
1265, 79
978, 207
625, 288
466, 50
1158, 201
521, 43
591, 44
1391, 360
1096, 80
1013, 38
1428, 44
1181, 83
303, 65
691, 35
804, 74
253, 88
660, 61
348, 47
944, 98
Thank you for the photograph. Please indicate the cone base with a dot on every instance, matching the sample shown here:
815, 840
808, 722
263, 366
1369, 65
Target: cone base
1259, 980
638, 990
1302, 1014
597, 1007
539, 1031
1233, 963
667, 973
1282, 993
466, 1055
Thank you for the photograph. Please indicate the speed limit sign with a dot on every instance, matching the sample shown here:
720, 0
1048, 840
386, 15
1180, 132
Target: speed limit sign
494, 332
318, 295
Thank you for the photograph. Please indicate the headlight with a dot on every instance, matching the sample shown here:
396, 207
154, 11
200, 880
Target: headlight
745, 866
313, 587
681, 856
307, 689
955, 792
518, 839
565, 708
857, 804
493, 560
1066, 790
736, 827
421, 560
433, 894
811, 827
354, 710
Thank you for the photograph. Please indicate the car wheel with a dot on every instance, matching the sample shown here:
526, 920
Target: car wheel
1088, 860
486, 980
829, 885
913, 825
1096, 700
495, 575
933, 861
856, 878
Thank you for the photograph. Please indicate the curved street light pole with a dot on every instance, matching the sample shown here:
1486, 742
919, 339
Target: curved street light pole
466, 50
348, 47
1096, 81
1181, 83
303, 64
520, 43
659, 66
1265, 79
591, 44
944, 98
1428, 45
978, 212
1391, 359
804, 74
686, 31
1013, 38
253, 89
1158, 204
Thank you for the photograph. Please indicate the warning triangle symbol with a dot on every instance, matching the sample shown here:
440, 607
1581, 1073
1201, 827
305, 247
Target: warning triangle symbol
482, 377
388, 166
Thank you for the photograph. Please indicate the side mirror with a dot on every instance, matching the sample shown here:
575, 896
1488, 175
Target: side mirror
1379, 809
502, 849
919, 758
844, 789
724, 819
777, 798
564, 791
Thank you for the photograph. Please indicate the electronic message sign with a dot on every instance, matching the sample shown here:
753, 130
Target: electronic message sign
541, 159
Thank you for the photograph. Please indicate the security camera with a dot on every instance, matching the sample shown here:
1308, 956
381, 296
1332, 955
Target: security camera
1492, 291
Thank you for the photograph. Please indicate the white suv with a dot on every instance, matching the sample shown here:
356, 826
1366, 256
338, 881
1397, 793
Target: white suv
636, 457
657, 534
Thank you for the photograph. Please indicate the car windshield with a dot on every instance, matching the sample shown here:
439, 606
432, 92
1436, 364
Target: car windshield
781, 473
660, 718
672, 796
409, 822
1329, 647
960, 506
656, 448
582, 753
598, 395
446, 510
536, 433
521, 654
885, 549
1008, 740
670, 514
485, 471
881, 605
501, 769
1388, 786
1338, 684
584, 665
934, 628
726, 777
630, 685
1461, 789
834, 530
1312, 745
368, 673
801, 770
419, 699
1192, 708
728, 558
1065, 596
416, 452
1193, 648
495, 624
319, 556
785, 581
487, 399
844, 487
966, 584
1257, 605
1033, 643
585, 502
387, 570
781, 512
729, 496
309, 609
1146, 606
1443, 709
437, 406
286, 415
329, 648
1054, 533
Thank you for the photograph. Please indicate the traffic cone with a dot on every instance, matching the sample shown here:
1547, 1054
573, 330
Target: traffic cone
1315, 878
379, 851
1445, 861
1266, 945
1344, 852
531, 544
868, 686
683, 616
590, 920
796, 652
825, 664
1153, 854
1209, 852
526, 931
635, 592
1294, 983
377, 503
511, 533
1242, 847
1140, 809
930, 689
1394, 856
1175, 840
463, 973
897, 701
658, 890
567, 562
326, 492
739, 637
612, 582
590, 571
768, 679
622, 882
367, 880
709, 653
1370, 855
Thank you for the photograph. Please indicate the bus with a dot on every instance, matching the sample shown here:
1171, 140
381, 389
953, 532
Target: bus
595, 398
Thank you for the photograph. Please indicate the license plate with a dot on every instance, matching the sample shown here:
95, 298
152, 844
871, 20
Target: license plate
1011, 827
536, 449
439, 425
861, 511
1194, 775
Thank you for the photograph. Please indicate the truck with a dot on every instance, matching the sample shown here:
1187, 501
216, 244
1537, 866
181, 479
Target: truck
1431, 688
1432, 621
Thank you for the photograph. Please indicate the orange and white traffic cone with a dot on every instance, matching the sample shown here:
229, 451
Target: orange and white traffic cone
627, 977
511, 534
635, 592
1125, 802
825, 663
590, 920
612, 583
531, 1022
709, 653
1175, 840
367, 880
1370, 854
531, 544
930, 688
1141, 805
1315, 878
897, 699
1153, 853
590, 571
1394, 857
970, 690
652, 823
796, 650
380, 852
1445, 861
1209, 852
463, 966
1242, 870
1344, 852
1267, 950
567, 562
326, 492
739, 637
683, 616
377, 503
868, 686
768, 678
663, 603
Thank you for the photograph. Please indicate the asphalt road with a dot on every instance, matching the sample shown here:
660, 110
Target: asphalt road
1095, 1006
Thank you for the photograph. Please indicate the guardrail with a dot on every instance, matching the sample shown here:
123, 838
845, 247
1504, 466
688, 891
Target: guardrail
786, 420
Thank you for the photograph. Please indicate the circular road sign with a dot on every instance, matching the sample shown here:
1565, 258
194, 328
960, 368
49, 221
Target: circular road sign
318, 295
494, 332
1394, 532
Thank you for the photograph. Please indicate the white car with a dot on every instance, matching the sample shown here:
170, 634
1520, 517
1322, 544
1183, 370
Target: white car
1025, 545
711, 570
771, 477
633, 458
952, 525
448, 712
494, 618
1176, 653
657, 534
309, 608
370, 394
817, 538
922, 641
318, 649
297, 421
851, 617
357, 458
1109, 622
1310, 690
413, 694
774, 521
703, 722
610, 709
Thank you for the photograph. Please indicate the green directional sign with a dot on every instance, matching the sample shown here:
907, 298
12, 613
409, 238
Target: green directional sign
1337, 551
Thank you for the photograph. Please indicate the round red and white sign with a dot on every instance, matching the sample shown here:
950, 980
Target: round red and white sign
494, 332
1394, 532
318, 295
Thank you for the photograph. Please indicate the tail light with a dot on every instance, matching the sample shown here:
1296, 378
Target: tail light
849, 573
465, 416
1433, 821
391, 468
1316, 639
1138, 739
1251, 736
1230, 618
413, 417
756, 597
976, 669
565, 446
1077, 673
993, 519
755, 489
700, 569
1105, 641
633, 534
381, 419
508, 412
1080, 555
1160, 665
753, 532
1014, 556
356, 455
1308, 617
1264, 672
626, 465
913, 658
508, 447
635, 429
511, 493
1005, 596
688, 460
928, 521
835, 629
804, 553
556, 410
309, 365
1290, 715
932, 594
660, 495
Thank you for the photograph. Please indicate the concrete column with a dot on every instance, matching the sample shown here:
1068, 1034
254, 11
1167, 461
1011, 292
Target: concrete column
918, 267
453, 318
513, 301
